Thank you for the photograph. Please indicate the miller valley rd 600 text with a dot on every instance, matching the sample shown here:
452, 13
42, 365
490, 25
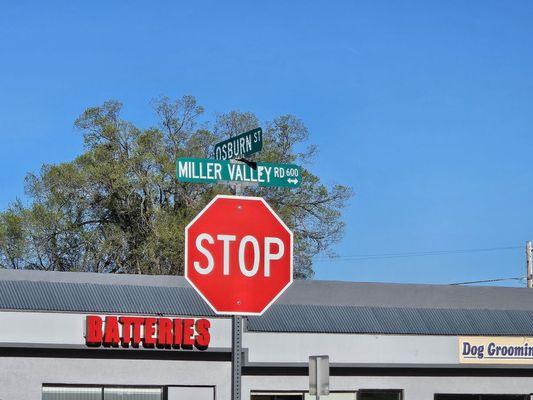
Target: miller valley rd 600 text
211, 171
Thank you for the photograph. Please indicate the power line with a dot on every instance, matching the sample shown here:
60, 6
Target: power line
489, 280
360, 257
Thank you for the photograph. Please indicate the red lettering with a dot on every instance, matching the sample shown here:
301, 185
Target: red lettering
126, 330
178, 332
184, 333
202, 339
93, 330
136, 338
149, 330
188, 333
164, 332
111, 335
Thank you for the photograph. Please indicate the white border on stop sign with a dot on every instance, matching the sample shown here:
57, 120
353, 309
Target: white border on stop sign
245, 198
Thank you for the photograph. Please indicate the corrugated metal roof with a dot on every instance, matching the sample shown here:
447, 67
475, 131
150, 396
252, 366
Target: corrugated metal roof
98, 298
387, 295
379, 320
307, 306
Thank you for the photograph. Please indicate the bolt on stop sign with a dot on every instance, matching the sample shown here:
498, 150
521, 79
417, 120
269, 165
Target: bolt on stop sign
238, 255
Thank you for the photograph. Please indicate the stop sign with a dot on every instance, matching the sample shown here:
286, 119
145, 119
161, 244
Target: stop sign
238, 255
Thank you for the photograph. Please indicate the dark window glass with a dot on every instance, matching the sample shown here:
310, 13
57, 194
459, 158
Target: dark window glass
379, 395
481, 397
503, 397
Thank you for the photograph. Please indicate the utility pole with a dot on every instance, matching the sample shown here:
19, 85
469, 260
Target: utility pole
529, 263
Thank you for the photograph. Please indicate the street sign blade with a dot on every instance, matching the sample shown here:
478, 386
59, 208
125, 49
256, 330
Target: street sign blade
203, 170
240, 146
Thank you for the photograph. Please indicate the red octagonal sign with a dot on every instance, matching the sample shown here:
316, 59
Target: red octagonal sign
238, 255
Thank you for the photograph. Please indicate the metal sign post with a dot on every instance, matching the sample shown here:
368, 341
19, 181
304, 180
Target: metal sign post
236, 357
236, 341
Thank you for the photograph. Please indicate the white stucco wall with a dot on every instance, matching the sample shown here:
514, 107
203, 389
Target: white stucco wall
414, 388
351, 349
23, 377
68, 329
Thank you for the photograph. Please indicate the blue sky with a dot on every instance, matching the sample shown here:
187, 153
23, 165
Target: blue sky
424, 108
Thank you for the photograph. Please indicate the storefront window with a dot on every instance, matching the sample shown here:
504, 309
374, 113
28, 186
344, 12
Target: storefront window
379, 394
277, 396
302, 396
129, 393
72, 393
101, 393
333, 396
482, 397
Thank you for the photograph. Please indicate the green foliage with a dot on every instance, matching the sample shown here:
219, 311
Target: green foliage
119, 208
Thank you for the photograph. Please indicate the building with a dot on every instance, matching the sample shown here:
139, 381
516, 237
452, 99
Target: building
62, 337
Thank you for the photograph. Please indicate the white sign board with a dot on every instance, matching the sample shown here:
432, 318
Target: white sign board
319, 376
495, 350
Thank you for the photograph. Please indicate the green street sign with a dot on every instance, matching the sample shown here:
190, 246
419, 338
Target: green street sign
204, 170
240, 146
